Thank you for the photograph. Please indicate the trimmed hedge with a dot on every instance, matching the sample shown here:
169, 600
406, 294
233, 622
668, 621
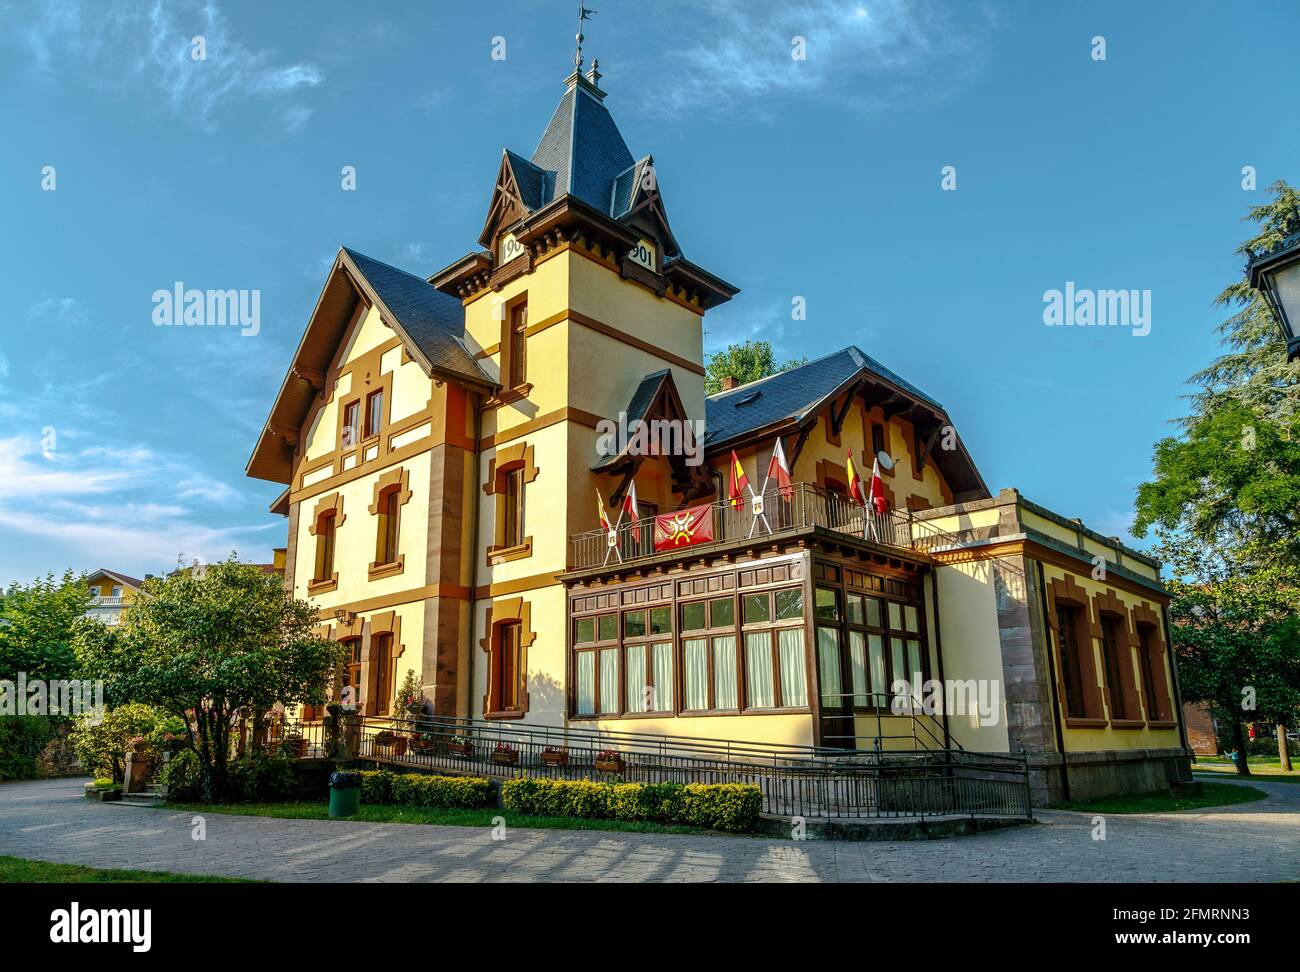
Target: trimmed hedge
723, 806
420, 790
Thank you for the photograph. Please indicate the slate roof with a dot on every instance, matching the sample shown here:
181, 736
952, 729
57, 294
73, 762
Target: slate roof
582, 150
534, 183
434, 321
116, 575
792, 394
625, 184
642, 399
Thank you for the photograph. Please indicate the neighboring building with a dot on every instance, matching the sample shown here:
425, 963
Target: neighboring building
439, 441
111, 595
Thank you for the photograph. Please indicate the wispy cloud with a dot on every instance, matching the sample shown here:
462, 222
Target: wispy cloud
865, 55
126, 43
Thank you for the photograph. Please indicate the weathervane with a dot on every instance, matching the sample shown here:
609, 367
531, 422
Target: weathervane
583, 14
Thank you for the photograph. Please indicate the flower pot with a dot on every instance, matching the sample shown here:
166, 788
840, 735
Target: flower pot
460, 749
507, 757
610, 765
555, 759
399, 746
421, 745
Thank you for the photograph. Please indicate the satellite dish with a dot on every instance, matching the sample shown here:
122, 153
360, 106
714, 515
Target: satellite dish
885, 462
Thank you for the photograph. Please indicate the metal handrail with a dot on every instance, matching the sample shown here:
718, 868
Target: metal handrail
785, 511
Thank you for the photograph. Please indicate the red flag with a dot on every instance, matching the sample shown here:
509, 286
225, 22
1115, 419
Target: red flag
737, 483
630, 510
778, 470
684, 528
878, 498
855, 481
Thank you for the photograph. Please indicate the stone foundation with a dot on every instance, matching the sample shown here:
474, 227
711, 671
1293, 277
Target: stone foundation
1105, 773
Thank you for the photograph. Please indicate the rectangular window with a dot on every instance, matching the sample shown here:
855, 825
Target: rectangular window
695, 673
758, 668
828, 604
386, 552
510, 694
381, 676
915, 669
325, 547
693, 616
876, 659
351, 425
586, 683
757, 608
828, 665
1111, 653
789, 604
725, 695
634, 624
662, 659
609, 680
512, 527
1150, 664
374, 412
661, 620
722, 613
607, 627
1071, 672
518, 354
877, 441
584, 631
794, 679
898, 661
636, 682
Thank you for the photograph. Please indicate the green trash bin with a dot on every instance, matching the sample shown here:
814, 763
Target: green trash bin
345, 793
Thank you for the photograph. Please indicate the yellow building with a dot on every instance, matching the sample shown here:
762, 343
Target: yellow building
111, 594
443, 441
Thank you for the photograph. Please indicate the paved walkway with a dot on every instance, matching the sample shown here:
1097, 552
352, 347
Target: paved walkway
50, 820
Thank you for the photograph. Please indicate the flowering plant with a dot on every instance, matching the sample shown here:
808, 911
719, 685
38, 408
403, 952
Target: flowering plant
608, 755
504, 747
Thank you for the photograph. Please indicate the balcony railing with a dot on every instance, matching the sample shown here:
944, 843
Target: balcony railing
803, 505
105, 601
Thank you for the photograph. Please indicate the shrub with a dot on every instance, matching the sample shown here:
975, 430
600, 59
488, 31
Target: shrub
22, 740
262, 778
102, 746
421, 790
180, 775
732, 806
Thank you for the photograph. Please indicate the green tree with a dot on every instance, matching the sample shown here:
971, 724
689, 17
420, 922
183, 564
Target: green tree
1253, 371
213, 649
101, 743
36, 626
745, 362
1232, 480
1236, 635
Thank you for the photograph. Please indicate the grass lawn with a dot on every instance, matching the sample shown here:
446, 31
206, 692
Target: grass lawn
380, 813
17, 870
1211, 795
1265, 767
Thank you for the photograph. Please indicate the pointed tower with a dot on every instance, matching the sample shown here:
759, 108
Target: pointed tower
581, 304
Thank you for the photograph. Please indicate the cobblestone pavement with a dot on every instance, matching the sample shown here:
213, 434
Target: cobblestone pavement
50, 820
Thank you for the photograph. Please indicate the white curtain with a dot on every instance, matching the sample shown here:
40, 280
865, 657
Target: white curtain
724, 672
586, 683
828, 665
609, 680
663, 663
898, 658
794, 680
914, 670
858, 666
696, 662
636, 685
758, 666
876, 651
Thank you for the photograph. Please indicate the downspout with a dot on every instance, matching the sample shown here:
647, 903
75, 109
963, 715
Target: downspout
1051, 683
938, 652
473, 583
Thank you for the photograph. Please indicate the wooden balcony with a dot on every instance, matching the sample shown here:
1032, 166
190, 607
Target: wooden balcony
802, 508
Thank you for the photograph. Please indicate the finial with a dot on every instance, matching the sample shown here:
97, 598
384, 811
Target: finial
594, 74
583, 14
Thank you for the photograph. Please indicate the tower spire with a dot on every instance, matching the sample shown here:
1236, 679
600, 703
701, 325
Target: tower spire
583, 14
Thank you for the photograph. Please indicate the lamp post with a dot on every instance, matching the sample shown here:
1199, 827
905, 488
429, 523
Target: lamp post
1276, 275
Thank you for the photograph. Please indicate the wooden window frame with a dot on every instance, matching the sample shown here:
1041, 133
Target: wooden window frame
393, 487
509, 460
370, 431
325, 575
514, 376
499, 614
1066, 593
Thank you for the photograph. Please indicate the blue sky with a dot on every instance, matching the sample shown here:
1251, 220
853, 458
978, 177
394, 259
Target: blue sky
123, 444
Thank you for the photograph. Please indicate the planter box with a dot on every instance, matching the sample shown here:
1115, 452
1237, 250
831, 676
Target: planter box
610, 765
399, 746
510, 758
422, 745
555, 759
460, 749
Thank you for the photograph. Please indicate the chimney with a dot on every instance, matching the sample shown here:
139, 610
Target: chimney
730, 382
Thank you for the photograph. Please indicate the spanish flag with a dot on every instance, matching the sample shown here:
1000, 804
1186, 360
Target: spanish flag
600, 512
855, 482
737, 483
